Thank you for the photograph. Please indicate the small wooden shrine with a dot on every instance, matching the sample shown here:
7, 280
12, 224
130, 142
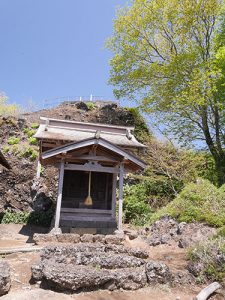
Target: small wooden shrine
90, 158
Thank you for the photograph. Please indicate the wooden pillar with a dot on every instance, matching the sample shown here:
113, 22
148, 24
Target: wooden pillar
120, 215
114, 195
59, 198
38, 169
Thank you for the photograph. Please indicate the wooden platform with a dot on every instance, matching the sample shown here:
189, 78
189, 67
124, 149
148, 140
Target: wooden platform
91, 220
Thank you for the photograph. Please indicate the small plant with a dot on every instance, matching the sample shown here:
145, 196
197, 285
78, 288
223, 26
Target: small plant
6, 149
29, 132
34, 125
30, 153
13, 140
15, 150
90, 105
32, 141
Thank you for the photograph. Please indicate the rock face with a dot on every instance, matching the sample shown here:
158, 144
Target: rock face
5, 281
158, 272
97, 265
167, 231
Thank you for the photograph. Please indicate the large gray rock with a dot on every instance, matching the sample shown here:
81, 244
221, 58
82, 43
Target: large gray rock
60, 276
70, 251
72, 277
5, 280
72, 267
131, 278
158, 272
167, 231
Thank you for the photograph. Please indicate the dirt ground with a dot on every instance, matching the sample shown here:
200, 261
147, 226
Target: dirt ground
15, 236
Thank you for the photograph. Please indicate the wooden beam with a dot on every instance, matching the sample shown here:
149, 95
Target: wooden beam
114, 195
93, 168
120, 214
59, 198
86, 210
38, 169
93, 158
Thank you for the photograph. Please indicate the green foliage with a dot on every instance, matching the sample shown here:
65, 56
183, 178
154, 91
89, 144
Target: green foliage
32, 141
200, 201
13, 140
7, 109
90, 105
31, 218
29, 132
221, 232
34, 125
171, 54
6, 149
29, 152
141, 130
207, 254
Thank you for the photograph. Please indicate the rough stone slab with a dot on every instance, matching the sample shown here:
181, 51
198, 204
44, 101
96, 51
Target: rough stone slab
87, 238
158, 272
114, 239
72, 238
42, 238
5, 280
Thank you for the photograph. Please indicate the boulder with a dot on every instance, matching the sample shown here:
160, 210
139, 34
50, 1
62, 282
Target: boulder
71, 277
68, 238
42, 238
167, 231
61, 276
130, 279
99, 238
71, 267
87, 238
158, 272
114, 239
5, 280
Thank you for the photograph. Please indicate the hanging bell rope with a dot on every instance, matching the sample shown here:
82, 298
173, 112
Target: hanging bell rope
88, 201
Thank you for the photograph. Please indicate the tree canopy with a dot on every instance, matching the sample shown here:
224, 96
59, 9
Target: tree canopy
170, 54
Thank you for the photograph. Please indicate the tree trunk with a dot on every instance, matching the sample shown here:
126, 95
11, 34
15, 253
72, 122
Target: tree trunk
220, 168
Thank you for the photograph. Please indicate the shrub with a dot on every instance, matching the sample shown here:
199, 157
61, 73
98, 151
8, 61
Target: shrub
13, 140
200, 201
141, 131
30, 153
136, 207
34, 125
29, 132
90, 105
31, 218
15, 150
210, 258
32, 141
6, 149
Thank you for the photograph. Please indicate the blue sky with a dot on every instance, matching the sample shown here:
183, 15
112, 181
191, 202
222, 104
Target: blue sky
55, 48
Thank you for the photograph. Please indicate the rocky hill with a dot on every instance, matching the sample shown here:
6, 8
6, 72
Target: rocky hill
18, 189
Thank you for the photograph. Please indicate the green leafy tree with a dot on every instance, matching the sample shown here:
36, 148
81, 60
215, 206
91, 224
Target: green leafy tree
5, 108
171, 55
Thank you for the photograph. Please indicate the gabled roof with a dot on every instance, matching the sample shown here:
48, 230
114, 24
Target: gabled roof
54, 129
3, 161
94, 141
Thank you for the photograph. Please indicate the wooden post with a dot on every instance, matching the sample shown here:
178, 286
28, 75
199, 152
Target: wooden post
114, 195
59, 198
38, 169
120, 216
